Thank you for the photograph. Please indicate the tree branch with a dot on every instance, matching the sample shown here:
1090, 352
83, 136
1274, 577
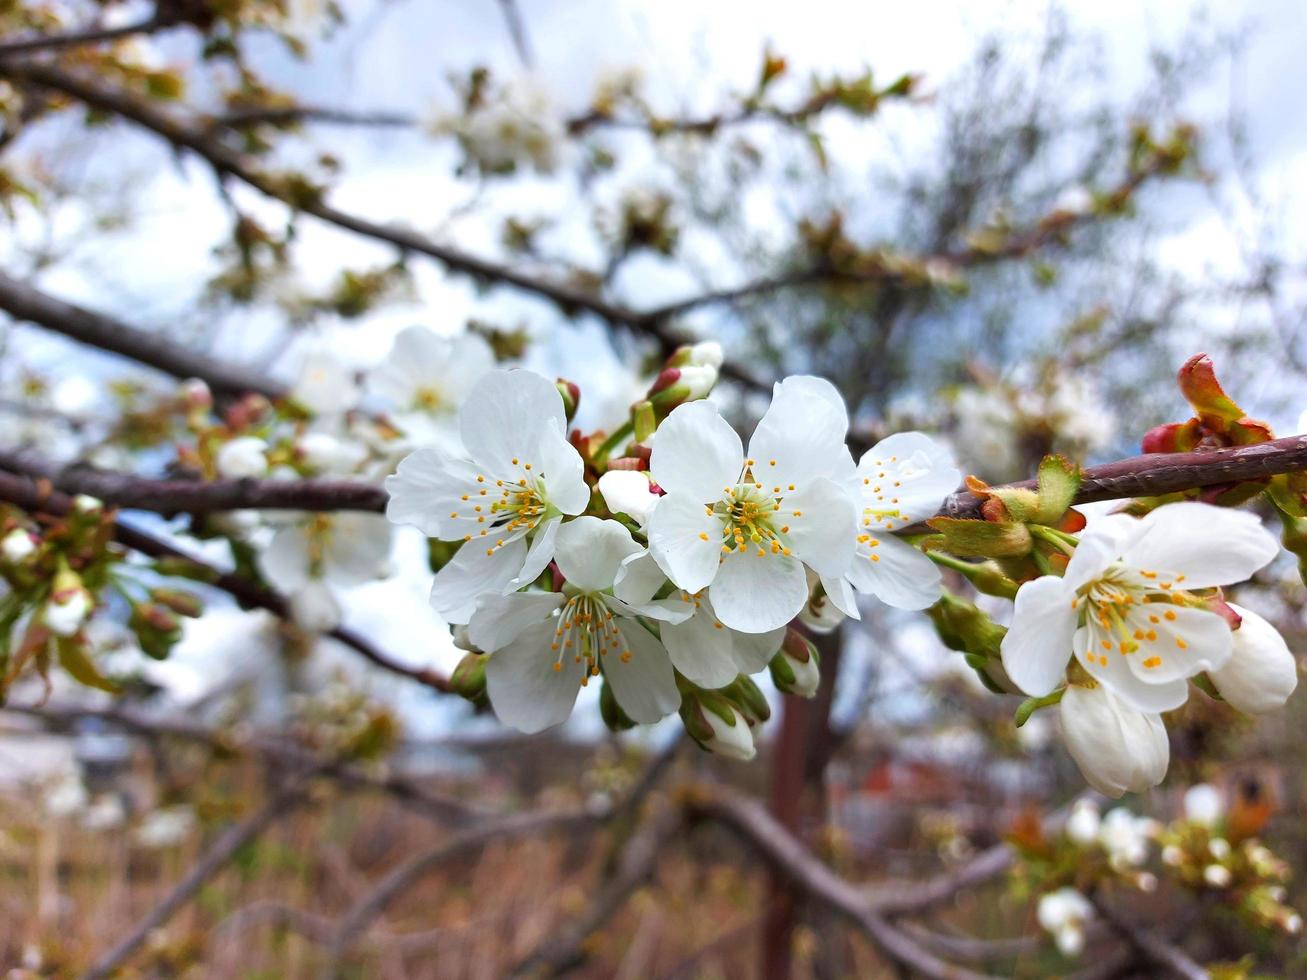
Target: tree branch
1150, 474
437, 806
1151, 947
751, 822
34, 496
89, 35
24, 302
210, 863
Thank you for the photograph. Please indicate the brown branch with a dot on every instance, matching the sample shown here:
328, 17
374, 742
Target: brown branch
89, 35
563, 951
1150, 946
353, 923
1154, 474
24, 492
437, 806
24, 302
1150, 474
210, 863
786, 855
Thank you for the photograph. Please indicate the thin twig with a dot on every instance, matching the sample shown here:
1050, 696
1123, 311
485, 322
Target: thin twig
34, 496
1152, 947
24, 302
209, 864
87, 35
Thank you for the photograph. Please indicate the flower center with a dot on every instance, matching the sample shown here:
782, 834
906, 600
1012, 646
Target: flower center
751, 516
427, 399
586, 632
506, 508
1115, 608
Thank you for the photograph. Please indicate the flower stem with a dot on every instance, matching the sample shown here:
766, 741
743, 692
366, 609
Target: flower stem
612, 442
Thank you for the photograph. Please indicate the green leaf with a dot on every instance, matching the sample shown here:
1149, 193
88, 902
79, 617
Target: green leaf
73, 658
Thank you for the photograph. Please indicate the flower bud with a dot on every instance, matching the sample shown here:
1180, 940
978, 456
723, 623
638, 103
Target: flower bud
1261, 672
243, 458
1063, 913
87, 505
717, 725
570, 392
17, 546
677, 385
1083, 824
706, 353
748, 697
1202, 804
182, 603
157, 629
469, 678
628, 492
195, 395
1217, 875
1117, 748
69, 606
795, 669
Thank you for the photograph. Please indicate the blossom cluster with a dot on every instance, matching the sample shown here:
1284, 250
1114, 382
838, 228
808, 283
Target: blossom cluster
1135, 617
671, 573
1203, 851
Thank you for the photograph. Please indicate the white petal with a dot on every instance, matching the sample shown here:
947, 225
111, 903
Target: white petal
1038, 646
1101, 545
896, 573
756, 593
539, 555
1110, 669
822, 525
802, 433
644, 684
314, 607
1189, 641
284, 563
639, 579
427, 490
1117, 748
686, 541
839, 591
753, 651
526, 691
563, 472
501, 619
628, 492
911, 473
703, 649
506, 416
590, 552
472, 573
696, 453
1261, 673
1208, 545
357, 548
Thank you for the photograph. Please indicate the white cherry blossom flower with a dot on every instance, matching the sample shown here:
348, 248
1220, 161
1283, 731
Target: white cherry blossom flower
243, 458
1117, 748
744, 527
425, 378
69, 605
1261, 672
1123, 609
325, 385
1063, 913
1124, 837
545, 646
318, 552
503, 500
901, 480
